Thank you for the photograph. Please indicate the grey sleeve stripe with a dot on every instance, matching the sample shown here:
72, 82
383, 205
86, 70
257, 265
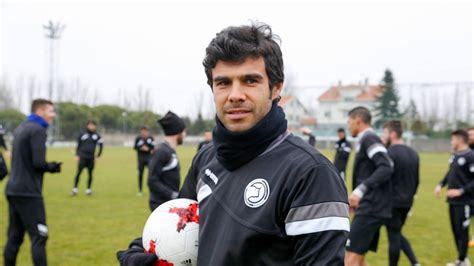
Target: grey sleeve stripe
320, 210
375, 148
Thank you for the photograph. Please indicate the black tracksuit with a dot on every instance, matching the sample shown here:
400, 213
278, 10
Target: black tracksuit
372, 179
405, 180
290, 196
461, 176
164, 175
143, 156
2, 142
343, 150
24, 192
86, 147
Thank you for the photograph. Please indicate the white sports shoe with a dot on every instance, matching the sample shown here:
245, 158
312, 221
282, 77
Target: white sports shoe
74, 191
88, 192
466, 262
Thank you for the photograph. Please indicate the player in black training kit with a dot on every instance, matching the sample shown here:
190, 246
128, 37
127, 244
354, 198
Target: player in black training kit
265, 197
371, 188
405, 181
460, 182
87, 143
343, 150
144, 145
24, 188
164, 173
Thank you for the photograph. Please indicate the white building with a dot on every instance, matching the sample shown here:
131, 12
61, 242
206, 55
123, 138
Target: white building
337, 101
295, 112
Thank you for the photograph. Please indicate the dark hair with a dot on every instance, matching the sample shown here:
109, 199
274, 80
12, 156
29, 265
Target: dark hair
91, 121
361, 112
394, 126
39, 103
144, 127
339, 130
461, 133
235, 44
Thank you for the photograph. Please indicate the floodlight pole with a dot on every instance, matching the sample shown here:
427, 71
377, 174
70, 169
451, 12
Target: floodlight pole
53, 32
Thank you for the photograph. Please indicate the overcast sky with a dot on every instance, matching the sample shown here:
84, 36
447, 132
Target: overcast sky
161, 45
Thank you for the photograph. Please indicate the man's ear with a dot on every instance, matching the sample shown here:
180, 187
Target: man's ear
276, 90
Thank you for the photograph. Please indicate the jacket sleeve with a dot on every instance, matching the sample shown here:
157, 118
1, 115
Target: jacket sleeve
188, 190
151, 144
378, 154
38, 151
159, 160
318, 218
135, 146
100, 142
470, 169
2, 143
78, 147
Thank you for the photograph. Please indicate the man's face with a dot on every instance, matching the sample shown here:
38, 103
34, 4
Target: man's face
241, 93
456, 142
91, 127
208, 136
386, 137
471, 136
144, 133
47, 113
181, 137
341, 135
353, 125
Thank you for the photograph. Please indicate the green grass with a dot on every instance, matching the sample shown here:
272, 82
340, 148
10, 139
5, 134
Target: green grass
89, 230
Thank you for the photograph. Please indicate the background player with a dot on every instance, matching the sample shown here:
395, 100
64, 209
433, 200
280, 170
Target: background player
144, 145
87, 143
372, 188
460, 182
405, 181
343, 151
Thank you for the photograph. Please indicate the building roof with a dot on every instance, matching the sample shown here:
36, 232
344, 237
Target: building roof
368, 93
285, 100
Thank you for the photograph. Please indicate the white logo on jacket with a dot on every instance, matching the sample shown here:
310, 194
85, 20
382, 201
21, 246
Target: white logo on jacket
256, 193
461, 161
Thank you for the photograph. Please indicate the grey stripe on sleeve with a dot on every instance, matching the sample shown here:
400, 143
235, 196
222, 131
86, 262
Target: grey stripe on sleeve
320, 210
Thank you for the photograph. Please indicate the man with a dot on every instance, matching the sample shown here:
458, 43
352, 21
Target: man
311, 137
460, 194
2, 140
371, 188
24, 188
405, 180
87, 143
207, 139
164, 174
265, 196
343, 150
3, 147
144, 146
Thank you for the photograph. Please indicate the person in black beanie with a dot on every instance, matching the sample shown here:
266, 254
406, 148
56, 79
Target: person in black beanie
24, 189
144, 145
255, 182
164, 170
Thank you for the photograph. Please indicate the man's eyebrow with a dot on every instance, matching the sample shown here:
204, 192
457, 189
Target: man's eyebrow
252, 76
220, 78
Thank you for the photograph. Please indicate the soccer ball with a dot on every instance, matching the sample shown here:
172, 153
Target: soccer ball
172, 232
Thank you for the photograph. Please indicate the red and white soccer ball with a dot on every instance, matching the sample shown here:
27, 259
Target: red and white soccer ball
172, 232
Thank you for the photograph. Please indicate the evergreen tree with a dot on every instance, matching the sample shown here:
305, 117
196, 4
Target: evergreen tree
386, 106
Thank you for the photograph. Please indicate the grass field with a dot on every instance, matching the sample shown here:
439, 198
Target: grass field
89, 230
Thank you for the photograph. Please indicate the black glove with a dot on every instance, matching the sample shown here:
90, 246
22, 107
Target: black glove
135, 255
54, 167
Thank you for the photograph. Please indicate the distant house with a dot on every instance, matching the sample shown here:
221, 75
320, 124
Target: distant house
296, 114
337, 101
